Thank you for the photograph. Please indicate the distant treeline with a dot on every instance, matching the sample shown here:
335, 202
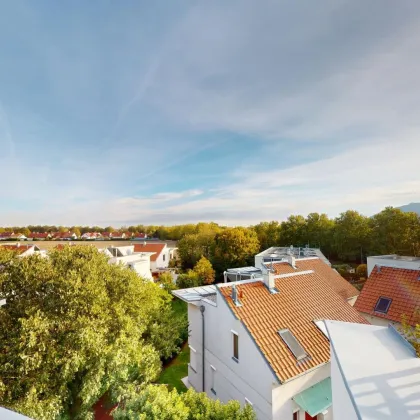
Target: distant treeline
350, 237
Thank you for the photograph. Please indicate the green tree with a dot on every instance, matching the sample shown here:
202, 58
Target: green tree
293, 231
156, 402
109, 229
63, 229
351, 236
189, 279
76, 230
268, 234
204, 271
194, 246
395, 232
361, 270
166, 280
235, 247
319, 232
25, 231
74, 327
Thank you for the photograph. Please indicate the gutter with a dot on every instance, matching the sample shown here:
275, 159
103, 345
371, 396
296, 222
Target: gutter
202, 309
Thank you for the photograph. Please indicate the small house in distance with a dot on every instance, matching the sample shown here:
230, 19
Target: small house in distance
162, 254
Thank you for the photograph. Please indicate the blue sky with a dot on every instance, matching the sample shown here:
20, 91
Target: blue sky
236, 112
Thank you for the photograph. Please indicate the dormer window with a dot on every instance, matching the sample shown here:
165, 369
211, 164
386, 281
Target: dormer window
293, 345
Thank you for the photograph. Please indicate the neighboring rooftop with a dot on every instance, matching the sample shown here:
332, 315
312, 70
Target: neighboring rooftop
18, 248
11, 415
196, 294
331, 276
302, 298
399, 286
382, 376
278, 253
150, 247
394, 257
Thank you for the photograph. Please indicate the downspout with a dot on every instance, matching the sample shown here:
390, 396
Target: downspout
202, 309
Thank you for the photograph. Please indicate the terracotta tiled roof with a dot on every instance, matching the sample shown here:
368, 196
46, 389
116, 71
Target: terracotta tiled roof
301, 300
148, 247
400, 285
18, 249
338, 283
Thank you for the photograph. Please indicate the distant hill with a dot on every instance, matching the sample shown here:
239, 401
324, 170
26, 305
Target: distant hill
411, 207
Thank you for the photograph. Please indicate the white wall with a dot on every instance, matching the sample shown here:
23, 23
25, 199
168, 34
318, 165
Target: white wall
284, 406
162, 260
372, 261
381, 322
250, 378
343, 408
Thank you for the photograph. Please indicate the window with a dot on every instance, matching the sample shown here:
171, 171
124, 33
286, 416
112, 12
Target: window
212, 378
193, 359
293, 345
296, 415
235, 346
163, 256
383, 304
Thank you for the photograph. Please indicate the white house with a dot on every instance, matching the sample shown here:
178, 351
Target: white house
260, 342
391, 291
22, 250
276, 253
375, 373
162, 254
126, 255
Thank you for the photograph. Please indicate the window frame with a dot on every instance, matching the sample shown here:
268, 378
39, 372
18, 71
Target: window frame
387, 308
235, 346
193, 358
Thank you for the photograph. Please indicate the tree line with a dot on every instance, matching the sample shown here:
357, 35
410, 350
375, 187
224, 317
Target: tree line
350, 237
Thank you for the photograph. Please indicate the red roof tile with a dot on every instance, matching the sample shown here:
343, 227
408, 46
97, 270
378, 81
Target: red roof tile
400, 285
338, 283
148, 247
19, 249
301, 300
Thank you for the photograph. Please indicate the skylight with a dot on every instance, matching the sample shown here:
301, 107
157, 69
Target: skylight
383, 304
293, 345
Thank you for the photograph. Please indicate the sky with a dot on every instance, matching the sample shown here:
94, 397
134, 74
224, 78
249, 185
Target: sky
239, 111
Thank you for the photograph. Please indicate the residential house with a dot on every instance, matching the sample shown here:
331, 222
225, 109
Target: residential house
38, 236
66, 236
5, 236
391, 291
20, 249
293, 260
117, 235
126, 255
162, 254
91, 236
139, 236
375, 373
261, 342
17, 237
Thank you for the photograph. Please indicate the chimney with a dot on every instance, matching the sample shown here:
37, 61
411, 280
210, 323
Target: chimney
268, 278
291, 260
379, 268
235, 295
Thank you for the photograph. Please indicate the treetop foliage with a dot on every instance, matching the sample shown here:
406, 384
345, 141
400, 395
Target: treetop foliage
74, 327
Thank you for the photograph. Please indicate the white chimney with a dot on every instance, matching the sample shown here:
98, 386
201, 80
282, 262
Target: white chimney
268, 278
291, 260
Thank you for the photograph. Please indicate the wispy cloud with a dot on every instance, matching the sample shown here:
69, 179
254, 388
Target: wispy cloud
234, 112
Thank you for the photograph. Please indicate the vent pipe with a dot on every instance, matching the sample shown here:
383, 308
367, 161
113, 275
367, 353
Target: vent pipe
292, 261
234, 294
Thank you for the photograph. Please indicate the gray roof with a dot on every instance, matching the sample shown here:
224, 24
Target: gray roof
276, 253
379, 368
196, 294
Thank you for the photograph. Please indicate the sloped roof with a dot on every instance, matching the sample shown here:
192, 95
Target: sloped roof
19, 249
400, 285
338, 283
302, 298
149, 247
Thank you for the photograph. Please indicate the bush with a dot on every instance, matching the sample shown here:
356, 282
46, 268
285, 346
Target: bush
361, 270
190, 279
